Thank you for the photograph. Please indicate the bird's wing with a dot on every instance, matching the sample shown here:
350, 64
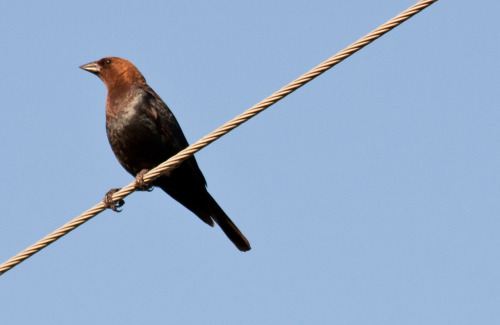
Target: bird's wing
171, 130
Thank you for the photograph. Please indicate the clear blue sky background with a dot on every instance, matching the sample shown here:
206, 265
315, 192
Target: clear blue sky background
370, 196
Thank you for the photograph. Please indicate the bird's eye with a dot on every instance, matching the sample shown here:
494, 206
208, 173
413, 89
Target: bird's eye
108, 61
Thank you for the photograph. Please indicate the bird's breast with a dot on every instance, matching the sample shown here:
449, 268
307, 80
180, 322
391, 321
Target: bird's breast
135, 138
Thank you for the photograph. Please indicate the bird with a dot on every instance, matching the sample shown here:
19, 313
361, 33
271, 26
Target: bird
143, 132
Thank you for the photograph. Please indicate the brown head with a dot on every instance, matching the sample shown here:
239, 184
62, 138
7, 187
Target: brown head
115, 72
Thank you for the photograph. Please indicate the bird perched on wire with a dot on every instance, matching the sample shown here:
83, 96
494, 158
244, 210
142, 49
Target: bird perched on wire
143, 133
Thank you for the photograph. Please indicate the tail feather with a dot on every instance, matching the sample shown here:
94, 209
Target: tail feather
204, 206
229, 228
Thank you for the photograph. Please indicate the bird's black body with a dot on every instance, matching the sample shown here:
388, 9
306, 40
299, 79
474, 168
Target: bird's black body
145, 133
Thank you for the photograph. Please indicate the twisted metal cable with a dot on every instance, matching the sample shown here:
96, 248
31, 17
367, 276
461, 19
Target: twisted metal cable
211, 137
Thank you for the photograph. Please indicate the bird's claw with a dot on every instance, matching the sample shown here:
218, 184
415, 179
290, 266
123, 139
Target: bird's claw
140, 185
109, 203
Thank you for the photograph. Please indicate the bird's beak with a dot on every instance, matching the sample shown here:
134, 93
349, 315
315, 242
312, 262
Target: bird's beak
91, 67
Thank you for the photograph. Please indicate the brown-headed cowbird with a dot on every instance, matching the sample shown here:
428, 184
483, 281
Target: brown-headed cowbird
143, 133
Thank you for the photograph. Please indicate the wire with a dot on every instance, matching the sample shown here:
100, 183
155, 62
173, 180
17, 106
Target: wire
211, 137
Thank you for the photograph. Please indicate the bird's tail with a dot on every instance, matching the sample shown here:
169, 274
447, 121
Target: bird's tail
229, 228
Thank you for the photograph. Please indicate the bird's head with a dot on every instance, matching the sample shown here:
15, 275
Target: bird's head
115, 72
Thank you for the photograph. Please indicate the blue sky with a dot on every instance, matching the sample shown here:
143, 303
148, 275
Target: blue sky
370, 196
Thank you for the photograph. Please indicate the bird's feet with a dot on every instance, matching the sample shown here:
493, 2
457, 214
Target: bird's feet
140, 185
109, 203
